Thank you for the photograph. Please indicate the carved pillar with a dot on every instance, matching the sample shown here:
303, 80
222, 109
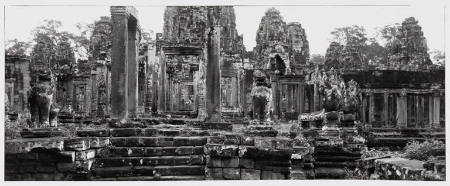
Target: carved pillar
119, 62
364, 107
213, 91
316, 97
371, 107
301, 97
402, 115
123, 61
275, 95
430, 110
386, 108
436, 110
132, 67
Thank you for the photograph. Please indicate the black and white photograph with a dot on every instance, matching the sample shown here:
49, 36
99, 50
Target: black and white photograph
224, 91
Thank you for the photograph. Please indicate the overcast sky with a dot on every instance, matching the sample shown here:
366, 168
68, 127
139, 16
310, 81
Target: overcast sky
318, 21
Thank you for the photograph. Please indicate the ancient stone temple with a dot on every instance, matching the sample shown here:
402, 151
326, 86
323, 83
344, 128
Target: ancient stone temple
199, 42
17, 76
282, 51
194, 104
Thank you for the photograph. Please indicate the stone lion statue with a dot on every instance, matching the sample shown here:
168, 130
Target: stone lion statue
42, 109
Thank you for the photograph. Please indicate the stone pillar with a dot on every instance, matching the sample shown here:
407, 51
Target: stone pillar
301, 98
213, 74
402, 115
132, 67
436, 110
386, 108
371, 108
430, 110
316, 97
363, 109
275, 95
119, 64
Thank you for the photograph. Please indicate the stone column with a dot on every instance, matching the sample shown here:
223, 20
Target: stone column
371, 108
316, 97
301, 98
275, 95
364, 106
430, 110
402, 115
119, 62
386, 108
436, 110
132, 67
213, 75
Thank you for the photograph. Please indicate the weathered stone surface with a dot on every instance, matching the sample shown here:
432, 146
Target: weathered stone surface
230, 162
93, 133
250, 174
221, 150
269, 175
41, 133
149, 151
125, 132
85, 155
231, 173
150, 161
246, 163
26, 145
77, 144
214, 174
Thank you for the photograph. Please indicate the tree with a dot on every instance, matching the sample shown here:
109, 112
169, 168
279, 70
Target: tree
17, 48
51, 46
438, 57
317, 59
374, 53
353, 39
355, 34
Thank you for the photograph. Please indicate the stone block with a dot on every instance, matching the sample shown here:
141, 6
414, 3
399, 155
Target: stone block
93, 133
181, 170
85, 155
125, 132
65, 167
246, 163
26, 145
230, 162
221, 150
76, 144
149, 132
41, 133
250, 174
231, 173
298, 174
269, 175
213, 162
99, 142
214, 174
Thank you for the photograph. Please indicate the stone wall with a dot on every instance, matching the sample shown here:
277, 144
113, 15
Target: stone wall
51, 159
237, 157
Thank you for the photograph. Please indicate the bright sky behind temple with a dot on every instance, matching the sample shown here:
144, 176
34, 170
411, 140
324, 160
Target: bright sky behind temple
318, 21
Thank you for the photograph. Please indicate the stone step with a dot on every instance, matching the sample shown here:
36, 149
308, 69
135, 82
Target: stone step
147, 132
152, 178
221, 126
333, 158
150, 161
130, 171
157, 141
149, 151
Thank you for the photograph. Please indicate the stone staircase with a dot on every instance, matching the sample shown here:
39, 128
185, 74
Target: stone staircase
159, 152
